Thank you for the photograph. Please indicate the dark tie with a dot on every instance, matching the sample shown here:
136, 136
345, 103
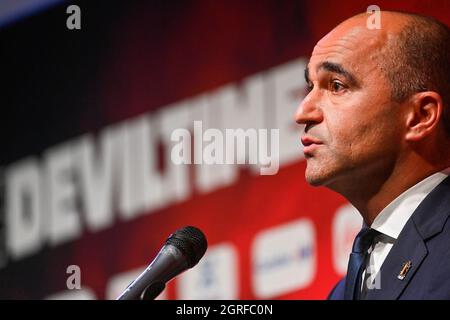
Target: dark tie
362, 242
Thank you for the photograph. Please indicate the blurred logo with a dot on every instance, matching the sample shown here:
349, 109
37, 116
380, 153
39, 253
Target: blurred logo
284, 259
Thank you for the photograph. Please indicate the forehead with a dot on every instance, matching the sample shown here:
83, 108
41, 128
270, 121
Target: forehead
356, 48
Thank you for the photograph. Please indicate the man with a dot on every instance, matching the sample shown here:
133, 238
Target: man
377, 131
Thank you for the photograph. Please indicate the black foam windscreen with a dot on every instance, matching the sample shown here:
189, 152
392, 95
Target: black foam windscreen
191, 242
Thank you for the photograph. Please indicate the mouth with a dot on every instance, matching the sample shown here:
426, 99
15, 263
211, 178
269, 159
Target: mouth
310, 144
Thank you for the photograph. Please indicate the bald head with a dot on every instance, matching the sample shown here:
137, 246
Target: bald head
355, 29
413, 52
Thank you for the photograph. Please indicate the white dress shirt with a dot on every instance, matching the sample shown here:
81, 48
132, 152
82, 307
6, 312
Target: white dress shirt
391, 220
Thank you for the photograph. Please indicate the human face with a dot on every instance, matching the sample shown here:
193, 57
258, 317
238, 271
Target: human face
352, 128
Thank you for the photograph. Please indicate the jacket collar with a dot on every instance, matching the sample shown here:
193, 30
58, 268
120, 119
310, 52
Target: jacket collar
427, 220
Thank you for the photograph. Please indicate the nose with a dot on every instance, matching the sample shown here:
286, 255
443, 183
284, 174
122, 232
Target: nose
308, 112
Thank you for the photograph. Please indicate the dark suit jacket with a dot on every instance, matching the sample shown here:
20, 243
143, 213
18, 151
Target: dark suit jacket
425, 242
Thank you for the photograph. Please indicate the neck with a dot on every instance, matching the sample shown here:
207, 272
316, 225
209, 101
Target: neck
376, 190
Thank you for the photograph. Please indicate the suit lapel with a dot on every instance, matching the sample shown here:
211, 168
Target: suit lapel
427, 220
409, 247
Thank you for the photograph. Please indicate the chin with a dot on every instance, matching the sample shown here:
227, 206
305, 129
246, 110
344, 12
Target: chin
315, 180
319, 176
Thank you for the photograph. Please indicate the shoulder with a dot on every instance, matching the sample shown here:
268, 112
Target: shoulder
338, 291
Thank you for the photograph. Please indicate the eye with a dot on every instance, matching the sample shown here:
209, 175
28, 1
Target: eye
337, 86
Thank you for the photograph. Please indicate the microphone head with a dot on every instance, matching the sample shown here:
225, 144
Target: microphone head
191, 242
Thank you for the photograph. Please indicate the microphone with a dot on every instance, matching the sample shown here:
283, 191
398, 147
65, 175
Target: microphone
183, 249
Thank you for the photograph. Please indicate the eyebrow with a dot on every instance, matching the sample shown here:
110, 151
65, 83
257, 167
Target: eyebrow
335, 68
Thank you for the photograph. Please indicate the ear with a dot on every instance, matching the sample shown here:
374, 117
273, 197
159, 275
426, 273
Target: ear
424, 115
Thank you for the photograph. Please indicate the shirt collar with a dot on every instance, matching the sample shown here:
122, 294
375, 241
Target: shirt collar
391, 220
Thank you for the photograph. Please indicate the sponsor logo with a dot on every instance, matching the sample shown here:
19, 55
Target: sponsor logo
284, 259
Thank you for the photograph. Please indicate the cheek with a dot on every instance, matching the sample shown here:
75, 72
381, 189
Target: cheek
343, 131
361, 124
382, 143
359, 136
